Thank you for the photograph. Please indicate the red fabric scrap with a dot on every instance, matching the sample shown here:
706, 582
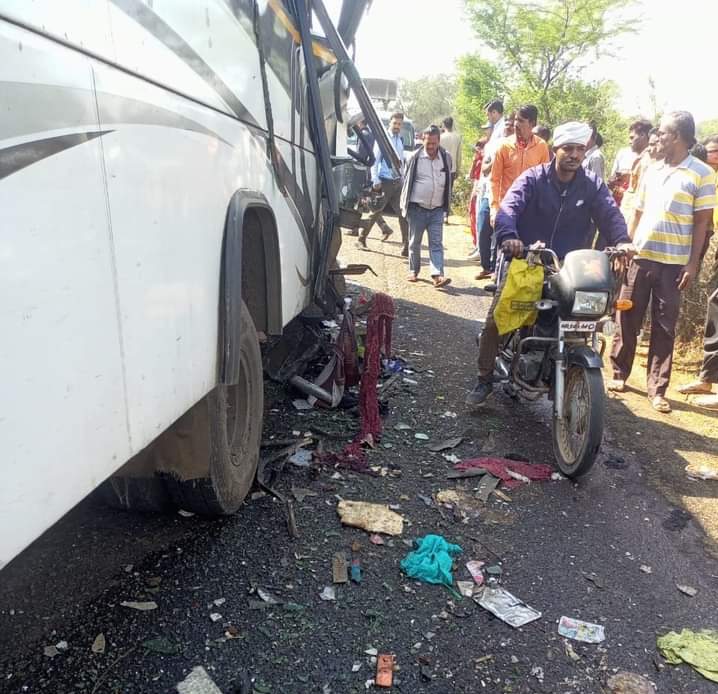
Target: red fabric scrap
498, 467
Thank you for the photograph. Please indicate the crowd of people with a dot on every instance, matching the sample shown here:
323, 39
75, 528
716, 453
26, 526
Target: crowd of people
531, 185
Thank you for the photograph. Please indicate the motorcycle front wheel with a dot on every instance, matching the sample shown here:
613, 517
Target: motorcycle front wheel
577, 435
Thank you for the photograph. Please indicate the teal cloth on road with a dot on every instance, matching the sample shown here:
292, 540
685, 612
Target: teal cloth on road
431, 561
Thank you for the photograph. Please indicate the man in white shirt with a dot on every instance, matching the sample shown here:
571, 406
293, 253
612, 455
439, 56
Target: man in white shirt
425, 198
451, 142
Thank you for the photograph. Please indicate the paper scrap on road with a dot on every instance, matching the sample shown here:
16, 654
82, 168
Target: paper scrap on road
476, 570
99, 644
690, 591
506, 607
198, 682
579, 630
328, 594
374, 518
446, 445
466, 588
339, 568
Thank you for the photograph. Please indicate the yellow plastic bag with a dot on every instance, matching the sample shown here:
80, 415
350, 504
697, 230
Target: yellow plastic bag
516, 306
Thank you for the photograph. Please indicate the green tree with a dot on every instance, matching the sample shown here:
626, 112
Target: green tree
478, 82
543, 46
428, 99
706, 128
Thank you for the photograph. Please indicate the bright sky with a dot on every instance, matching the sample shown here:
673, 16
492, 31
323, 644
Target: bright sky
398, 39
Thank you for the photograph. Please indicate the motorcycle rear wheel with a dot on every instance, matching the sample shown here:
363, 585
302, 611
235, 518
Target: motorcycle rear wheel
577, 436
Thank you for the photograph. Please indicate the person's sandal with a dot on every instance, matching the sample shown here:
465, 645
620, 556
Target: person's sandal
412, 278
695, 388
660, 404
441, 282
616, 385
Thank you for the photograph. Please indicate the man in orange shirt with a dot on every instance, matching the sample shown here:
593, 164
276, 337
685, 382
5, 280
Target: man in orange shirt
519, 152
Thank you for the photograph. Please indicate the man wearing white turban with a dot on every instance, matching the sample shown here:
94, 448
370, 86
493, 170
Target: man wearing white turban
556, 204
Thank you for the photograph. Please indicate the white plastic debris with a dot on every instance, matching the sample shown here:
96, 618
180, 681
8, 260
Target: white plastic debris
219, 602
646, 569
690, 591
506, 606
356, 666
198, 682
99, 644
328, 594
185, 514
215, 616
421, 436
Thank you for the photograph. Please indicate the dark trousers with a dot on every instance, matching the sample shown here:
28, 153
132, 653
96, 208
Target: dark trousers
391, 199
657, 283
483, 224
709, 370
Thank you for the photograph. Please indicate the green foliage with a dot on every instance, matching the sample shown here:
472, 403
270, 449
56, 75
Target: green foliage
706, 128
478, 82
429, 99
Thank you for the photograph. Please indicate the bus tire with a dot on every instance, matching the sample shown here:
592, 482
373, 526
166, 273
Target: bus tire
222, 434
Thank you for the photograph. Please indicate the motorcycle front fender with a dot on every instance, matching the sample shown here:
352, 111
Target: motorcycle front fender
583, 355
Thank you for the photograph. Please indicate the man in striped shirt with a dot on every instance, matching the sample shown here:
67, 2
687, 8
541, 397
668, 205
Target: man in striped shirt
673, 213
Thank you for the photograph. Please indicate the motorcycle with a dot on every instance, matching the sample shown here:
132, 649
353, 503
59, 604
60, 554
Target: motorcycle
560, 355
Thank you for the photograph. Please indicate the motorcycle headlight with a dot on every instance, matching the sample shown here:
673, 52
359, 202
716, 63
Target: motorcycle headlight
590, 303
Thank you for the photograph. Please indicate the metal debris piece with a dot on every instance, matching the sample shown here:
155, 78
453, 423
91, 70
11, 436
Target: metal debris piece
267, 597
506, 606
142, 606
446, 445
466, 588
646, 569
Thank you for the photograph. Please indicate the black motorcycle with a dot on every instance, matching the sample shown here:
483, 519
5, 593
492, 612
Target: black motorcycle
560, 355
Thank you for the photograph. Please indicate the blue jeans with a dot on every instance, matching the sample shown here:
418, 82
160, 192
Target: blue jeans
420, 220
485, 235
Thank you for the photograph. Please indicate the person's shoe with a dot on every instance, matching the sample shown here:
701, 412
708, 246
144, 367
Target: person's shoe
361, 243
404, 252
484, 274
441, 281
660, 404
474, 255
616, 385
352, 232
707, 402
695, 388
412, 277
480, 394
385, 235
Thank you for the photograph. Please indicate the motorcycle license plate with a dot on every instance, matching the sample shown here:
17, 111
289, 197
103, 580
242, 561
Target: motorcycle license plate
578, 326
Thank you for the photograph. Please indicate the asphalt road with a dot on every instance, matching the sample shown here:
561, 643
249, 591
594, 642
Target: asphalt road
69, 586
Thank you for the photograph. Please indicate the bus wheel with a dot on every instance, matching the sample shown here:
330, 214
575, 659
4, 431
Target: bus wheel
218, 439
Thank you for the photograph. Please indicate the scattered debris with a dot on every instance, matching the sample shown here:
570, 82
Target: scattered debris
299, 493
449, 415
506, 606
422, 437
596, 580
629, 683
690, 591
62, 645
302, 458
570, 652
231, 632
376, 539
432, 560
302, 405
701, 472
475, 569
504, 497
328, 594
267, 597
185, 514
494, 570
356, 666
466, 588
402, 426
374, 518
453, 459
537, 672
581, 631
615, 462
198, 682
50, 651
99, 644
372, 652
162, 646
384, 670
511, 472
487, 485
646, 569
143, 606
339, 568
215, 616
699, 649
219, 602
356, 570
426, 499
446, 445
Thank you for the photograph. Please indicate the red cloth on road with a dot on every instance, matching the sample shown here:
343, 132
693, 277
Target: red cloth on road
498, 468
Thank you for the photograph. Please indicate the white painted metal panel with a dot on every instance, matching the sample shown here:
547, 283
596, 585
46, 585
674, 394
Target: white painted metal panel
63, 425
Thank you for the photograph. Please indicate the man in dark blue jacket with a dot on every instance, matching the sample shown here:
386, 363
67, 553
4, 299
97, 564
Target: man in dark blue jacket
556, 204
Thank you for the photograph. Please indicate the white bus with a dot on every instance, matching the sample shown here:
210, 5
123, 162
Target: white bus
164, 196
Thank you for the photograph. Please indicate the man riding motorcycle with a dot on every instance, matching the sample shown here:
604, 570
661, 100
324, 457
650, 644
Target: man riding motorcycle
557, 204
